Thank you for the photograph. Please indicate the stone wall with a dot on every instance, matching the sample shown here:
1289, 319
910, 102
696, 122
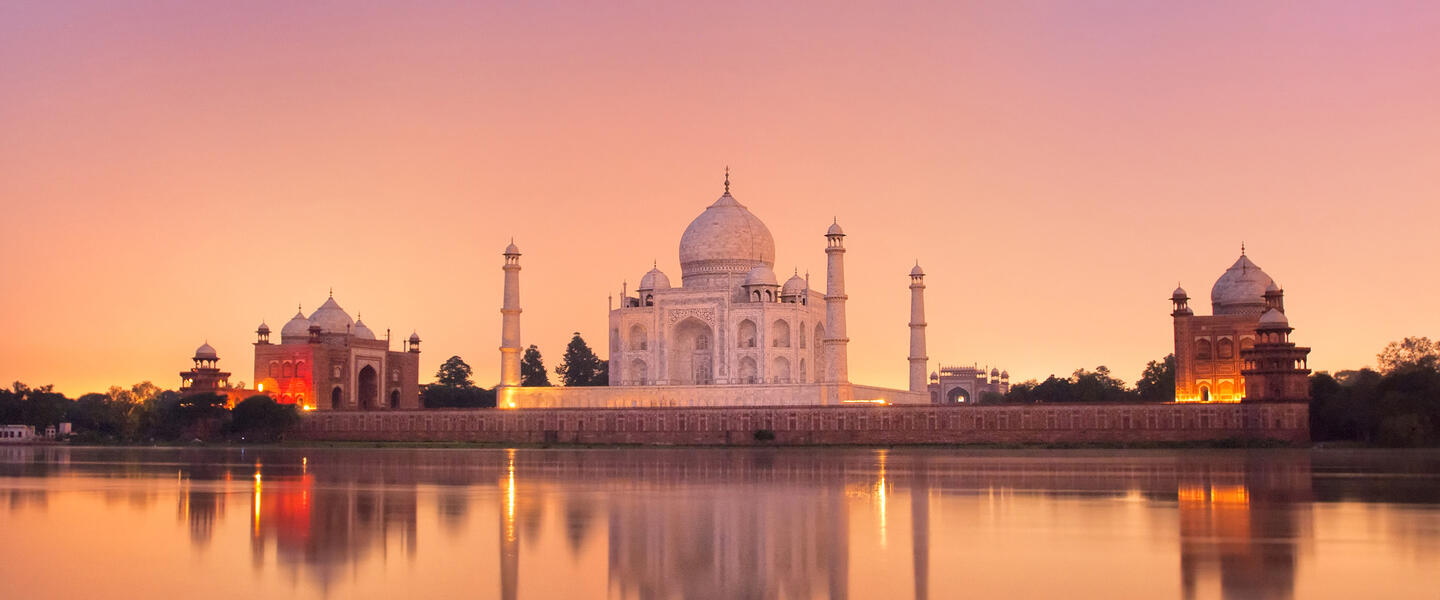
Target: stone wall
851, 424
695, 396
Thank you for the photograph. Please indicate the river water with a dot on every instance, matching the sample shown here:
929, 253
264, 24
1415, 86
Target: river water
717, 523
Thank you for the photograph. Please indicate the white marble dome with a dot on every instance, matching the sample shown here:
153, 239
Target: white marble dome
795, 286
761, 275
206, 351
917, 271
654, 280
298, 327
1241, 289
1273, 319
726, 239
361, 331
331, 318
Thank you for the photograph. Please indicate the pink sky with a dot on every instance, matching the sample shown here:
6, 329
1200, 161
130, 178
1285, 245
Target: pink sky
172, 172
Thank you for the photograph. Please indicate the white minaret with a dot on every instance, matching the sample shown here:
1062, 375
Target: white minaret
837, 370
510, 320
917, 329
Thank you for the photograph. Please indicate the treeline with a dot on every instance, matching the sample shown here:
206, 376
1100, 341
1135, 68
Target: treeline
454, 387
1398, 405
145, 413
1156, 384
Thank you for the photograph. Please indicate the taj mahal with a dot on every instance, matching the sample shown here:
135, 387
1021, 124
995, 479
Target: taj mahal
730, 334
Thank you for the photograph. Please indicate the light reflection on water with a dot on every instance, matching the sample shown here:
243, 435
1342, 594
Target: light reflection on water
672, 523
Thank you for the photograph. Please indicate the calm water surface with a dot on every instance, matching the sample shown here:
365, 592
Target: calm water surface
671, 523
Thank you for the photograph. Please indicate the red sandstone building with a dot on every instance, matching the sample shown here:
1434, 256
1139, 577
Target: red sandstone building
207, 378
1247, 337
328, 361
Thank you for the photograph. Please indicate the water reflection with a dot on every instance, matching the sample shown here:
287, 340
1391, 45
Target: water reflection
746, 524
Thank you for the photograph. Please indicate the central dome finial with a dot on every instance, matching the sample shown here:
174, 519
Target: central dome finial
727, 180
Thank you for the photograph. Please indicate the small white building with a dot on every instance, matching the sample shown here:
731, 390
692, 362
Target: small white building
16, 434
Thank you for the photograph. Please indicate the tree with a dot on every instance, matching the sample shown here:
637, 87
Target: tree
532, 369
580, 366
262, 419
1157, 382
1417, 352
454, 373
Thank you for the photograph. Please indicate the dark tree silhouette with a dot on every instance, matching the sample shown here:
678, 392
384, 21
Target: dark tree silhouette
1157, 382
454, 373
580, 366
532, 369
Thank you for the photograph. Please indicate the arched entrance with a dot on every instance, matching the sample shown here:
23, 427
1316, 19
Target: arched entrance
957, 395
368, 388
335, 398
691, 353
394, 398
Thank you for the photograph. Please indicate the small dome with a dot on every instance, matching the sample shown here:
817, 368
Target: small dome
934, 375
414, 337
206, 351
794, 286
1179, 294
263, 328
1273, 319
298, 327
994, 372
1004, 374
835, 229
917, 270
761, 275
512, 249
362, 332
1241, 289
654, 280
1272, 288
331, 318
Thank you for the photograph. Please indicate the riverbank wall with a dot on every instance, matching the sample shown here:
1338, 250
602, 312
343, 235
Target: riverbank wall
824, 425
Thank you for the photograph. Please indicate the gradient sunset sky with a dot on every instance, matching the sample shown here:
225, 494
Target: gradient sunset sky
173, 172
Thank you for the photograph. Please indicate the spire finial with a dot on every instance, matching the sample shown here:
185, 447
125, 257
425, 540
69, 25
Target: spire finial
332, 291
654, 263
727, 180
1242, 248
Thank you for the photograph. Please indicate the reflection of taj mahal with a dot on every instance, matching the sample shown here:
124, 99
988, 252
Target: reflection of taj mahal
729, 323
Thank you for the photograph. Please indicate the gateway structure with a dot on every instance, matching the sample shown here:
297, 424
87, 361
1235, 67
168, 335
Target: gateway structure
729, 335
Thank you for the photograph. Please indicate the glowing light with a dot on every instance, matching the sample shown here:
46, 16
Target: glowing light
307, 407
260, 388
878, 401
881, 498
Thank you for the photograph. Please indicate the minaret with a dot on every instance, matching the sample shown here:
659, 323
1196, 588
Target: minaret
510, 320
917, 329
837, 371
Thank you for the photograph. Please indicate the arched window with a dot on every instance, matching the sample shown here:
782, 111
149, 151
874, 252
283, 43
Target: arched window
780, 334
801, 378
746, 334
394, 398
299, 368
702, 342
1204, 394
649, 300
287, 369
748, 371
780, 371
274, 368
1227, 391
802, 339
1202, 349
757, 295
637, 338
1225, 349
335, 398
639, 372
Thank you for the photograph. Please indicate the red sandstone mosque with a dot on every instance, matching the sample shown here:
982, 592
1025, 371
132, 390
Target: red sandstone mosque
1241, 352
328, 361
